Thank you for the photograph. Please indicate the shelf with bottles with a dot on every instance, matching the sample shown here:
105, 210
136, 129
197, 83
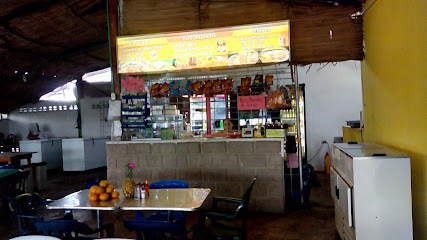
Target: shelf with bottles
133, 113
133, 125
288, 114
292, 129
134, 105
138, 96
127, 108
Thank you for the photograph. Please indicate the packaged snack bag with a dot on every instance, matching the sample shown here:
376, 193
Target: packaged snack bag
276, 100
269, 79
174, 88
217, 87
198, 87
245, 85
154, 90
258, 81
164, 90
188, 88
208, 89
227, 86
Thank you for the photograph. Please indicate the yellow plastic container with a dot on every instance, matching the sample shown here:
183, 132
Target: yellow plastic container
327, 163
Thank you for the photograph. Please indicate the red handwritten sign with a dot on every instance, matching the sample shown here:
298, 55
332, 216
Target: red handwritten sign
133, 83
251, 102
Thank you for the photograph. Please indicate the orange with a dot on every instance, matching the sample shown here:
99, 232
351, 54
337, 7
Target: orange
93, 197
104, 196
115, 194
109, 189
99, 190
93, 189
104, 183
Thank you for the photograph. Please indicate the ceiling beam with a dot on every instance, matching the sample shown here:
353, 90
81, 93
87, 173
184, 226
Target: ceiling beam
25, 10
78, 17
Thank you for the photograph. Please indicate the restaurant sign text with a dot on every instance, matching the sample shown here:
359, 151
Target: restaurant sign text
254, 102
208, 48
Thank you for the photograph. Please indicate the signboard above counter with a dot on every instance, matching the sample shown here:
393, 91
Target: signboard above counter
207, 48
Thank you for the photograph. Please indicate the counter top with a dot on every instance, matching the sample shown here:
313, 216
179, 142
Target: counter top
198, 140
41, 140
85, 139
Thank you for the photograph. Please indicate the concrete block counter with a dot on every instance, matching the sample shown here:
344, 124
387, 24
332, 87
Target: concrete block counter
226, 166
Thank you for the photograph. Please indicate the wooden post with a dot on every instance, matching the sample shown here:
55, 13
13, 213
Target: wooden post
112, 35
79, 86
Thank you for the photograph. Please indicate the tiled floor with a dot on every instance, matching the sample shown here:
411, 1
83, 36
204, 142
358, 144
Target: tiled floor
312, 222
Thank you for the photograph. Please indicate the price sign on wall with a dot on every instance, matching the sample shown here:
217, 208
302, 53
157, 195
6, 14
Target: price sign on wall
255, 102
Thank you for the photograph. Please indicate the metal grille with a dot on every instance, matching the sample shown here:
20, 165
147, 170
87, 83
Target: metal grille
218, 104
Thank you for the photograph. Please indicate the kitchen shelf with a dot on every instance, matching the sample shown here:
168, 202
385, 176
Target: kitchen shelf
134, 97
133, 114
133, 109
127, 115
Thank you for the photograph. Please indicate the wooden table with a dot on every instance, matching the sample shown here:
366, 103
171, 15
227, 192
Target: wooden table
14, 158
184, 199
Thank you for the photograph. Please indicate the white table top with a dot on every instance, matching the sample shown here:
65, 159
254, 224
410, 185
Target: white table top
34, 237
184, 199
180, 199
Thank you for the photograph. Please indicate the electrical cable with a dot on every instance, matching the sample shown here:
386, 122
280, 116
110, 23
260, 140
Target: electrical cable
318, 152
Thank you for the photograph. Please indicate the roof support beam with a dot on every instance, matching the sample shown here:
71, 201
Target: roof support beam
113, 27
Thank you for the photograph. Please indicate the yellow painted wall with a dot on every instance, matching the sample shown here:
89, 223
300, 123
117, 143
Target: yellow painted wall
394, 79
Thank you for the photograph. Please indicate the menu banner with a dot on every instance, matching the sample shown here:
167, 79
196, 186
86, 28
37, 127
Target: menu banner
208, 48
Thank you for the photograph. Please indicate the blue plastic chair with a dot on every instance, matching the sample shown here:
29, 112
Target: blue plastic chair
163, 215
156, 230
71, 229
6, 166
24, 206
156, 225
169, 184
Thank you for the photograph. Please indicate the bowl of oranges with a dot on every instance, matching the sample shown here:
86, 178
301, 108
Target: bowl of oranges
103, 192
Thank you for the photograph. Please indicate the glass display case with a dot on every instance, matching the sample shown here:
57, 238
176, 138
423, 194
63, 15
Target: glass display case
288, 116
198, 115
165, 115
207, 113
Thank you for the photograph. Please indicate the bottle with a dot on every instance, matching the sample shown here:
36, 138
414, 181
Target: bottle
137, 192
147, 187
